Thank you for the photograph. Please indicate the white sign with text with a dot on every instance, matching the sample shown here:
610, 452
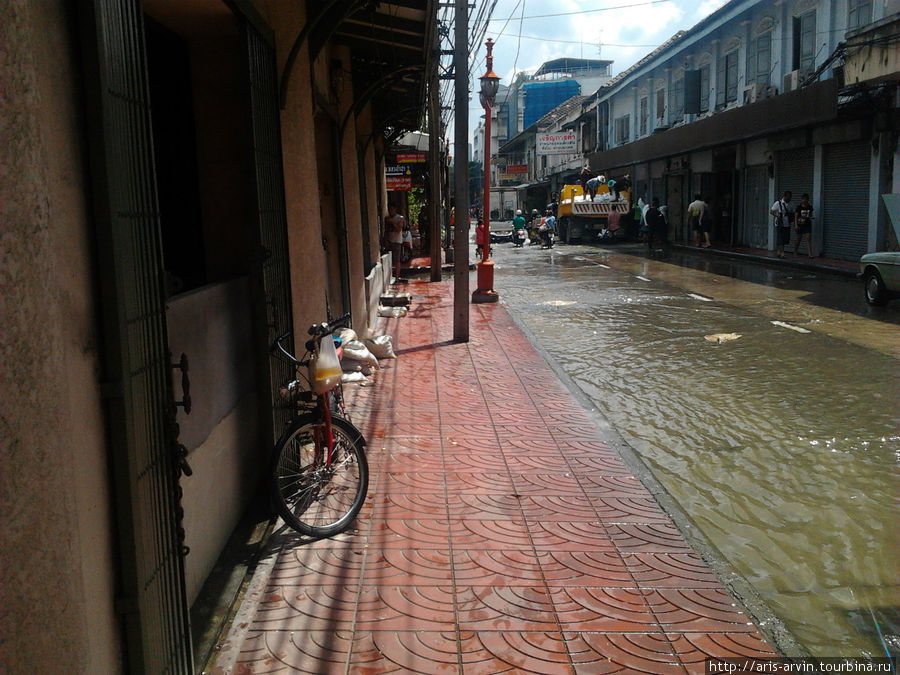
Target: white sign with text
556, 143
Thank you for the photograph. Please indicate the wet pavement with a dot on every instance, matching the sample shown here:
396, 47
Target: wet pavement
781, 445
504, 532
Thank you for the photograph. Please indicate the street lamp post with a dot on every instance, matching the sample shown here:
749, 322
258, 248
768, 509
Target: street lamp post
490, 83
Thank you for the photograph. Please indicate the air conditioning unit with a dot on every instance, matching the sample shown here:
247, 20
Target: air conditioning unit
755, 92
791, 81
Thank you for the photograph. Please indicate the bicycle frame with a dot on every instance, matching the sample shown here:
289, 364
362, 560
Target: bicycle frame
308, 402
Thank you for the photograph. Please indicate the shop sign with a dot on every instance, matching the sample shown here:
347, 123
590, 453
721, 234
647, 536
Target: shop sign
560, 143
508, 176
517, 168
412, 158
396, 170
398, 183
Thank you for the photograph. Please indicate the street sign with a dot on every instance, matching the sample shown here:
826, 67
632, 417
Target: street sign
557, 143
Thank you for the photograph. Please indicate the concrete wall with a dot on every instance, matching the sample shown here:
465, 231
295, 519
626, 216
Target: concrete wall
57, 580
212, 326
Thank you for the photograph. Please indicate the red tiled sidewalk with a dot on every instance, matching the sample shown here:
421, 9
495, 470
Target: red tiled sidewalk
501, 533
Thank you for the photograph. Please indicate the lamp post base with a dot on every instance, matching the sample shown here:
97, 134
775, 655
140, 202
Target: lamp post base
485, 291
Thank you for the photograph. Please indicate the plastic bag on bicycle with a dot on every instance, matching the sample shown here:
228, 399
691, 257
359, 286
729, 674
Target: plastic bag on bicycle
325, 370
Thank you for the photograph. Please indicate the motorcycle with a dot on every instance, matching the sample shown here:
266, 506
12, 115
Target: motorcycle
519, 237
547, 238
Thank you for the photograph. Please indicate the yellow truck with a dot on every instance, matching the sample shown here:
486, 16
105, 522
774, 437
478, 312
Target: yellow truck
580, 218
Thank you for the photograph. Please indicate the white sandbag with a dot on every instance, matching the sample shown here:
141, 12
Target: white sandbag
382, 346
366, 369
351, 366
357, 351
349, 378
346, 335
392, 312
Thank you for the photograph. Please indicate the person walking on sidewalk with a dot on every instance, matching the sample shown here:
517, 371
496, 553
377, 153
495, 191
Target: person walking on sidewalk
783, 215
394, 223
700, 224
803, 218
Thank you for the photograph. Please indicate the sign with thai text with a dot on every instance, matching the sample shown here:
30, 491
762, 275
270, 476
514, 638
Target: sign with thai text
398, 183
517, 168
557, 143
396, 170
411, 158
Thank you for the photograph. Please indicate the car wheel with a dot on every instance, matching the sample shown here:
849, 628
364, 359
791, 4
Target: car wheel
875, 291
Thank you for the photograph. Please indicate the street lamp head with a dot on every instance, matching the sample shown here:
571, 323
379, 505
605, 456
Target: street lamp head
490, 83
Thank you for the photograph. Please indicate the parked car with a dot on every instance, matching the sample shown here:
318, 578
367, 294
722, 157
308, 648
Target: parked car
501, 236
880, 273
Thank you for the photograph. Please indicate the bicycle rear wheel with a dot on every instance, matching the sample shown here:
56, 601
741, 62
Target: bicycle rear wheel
315, 499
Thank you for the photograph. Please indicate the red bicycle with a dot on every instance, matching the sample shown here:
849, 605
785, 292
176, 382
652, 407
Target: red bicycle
320, 475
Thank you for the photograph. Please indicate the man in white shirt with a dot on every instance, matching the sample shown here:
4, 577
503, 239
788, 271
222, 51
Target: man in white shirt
783, 215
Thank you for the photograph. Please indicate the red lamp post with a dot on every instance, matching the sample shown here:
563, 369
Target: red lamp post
490, 83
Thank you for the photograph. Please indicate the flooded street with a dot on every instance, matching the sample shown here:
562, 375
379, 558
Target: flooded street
781, 445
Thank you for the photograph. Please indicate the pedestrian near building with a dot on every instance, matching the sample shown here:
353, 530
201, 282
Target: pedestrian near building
699, 224
655, 223
803, 220
394, 223
782, 212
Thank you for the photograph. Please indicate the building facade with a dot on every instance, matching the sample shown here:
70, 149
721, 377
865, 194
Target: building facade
179, 179
758, 98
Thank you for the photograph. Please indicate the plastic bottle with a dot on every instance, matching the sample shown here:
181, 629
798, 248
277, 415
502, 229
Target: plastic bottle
326, 370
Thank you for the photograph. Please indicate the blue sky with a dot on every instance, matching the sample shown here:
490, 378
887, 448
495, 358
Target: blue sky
622, 31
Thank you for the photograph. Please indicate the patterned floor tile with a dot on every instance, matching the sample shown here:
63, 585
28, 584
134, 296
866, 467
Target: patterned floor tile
398, 505
648, 652
647, 538
417, 651
409, 533
570, 536
316, 652
547, 484
471, 533
511, 608
694, 648
486, 653
696, 611
584, 568
408, 567
629, 510
405, 608
616, 610
318, 567
509, 567
670, 570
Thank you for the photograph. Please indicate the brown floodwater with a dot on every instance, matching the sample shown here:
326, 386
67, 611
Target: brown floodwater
782, 445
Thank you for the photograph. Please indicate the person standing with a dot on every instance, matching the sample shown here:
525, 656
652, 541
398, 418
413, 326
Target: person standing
394, 223
695, 212
585, 176
803, 217
655, 222
783, 215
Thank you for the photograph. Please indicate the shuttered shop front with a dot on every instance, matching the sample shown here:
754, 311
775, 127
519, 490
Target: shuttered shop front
795, 172
845, 212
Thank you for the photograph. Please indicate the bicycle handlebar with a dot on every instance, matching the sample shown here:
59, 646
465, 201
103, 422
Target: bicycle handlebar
317, 330
323, 329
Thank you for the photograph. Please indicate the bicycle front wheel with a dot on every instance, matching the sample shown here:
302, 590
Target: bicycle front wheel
313, 497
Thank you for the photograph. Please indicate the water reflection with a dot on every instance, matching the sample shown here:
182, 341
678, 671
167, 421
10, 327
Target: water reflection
782, 447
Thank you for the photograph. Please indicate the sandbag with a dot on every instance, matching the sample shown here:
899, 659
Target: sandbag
392, 312
357, 351
346, 335
349, 378
382, 346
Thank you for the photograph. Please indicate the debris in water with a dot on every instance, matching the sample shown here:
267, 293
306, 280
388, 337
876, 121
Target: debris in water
719, 338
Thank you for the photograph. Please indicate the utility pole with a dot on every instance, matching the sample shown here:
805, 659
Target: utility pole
461, 174
434, 167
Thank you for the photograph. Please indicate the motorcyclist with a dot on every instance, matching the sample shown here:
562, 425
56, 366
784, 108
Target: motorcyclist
550, 232
518, 228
